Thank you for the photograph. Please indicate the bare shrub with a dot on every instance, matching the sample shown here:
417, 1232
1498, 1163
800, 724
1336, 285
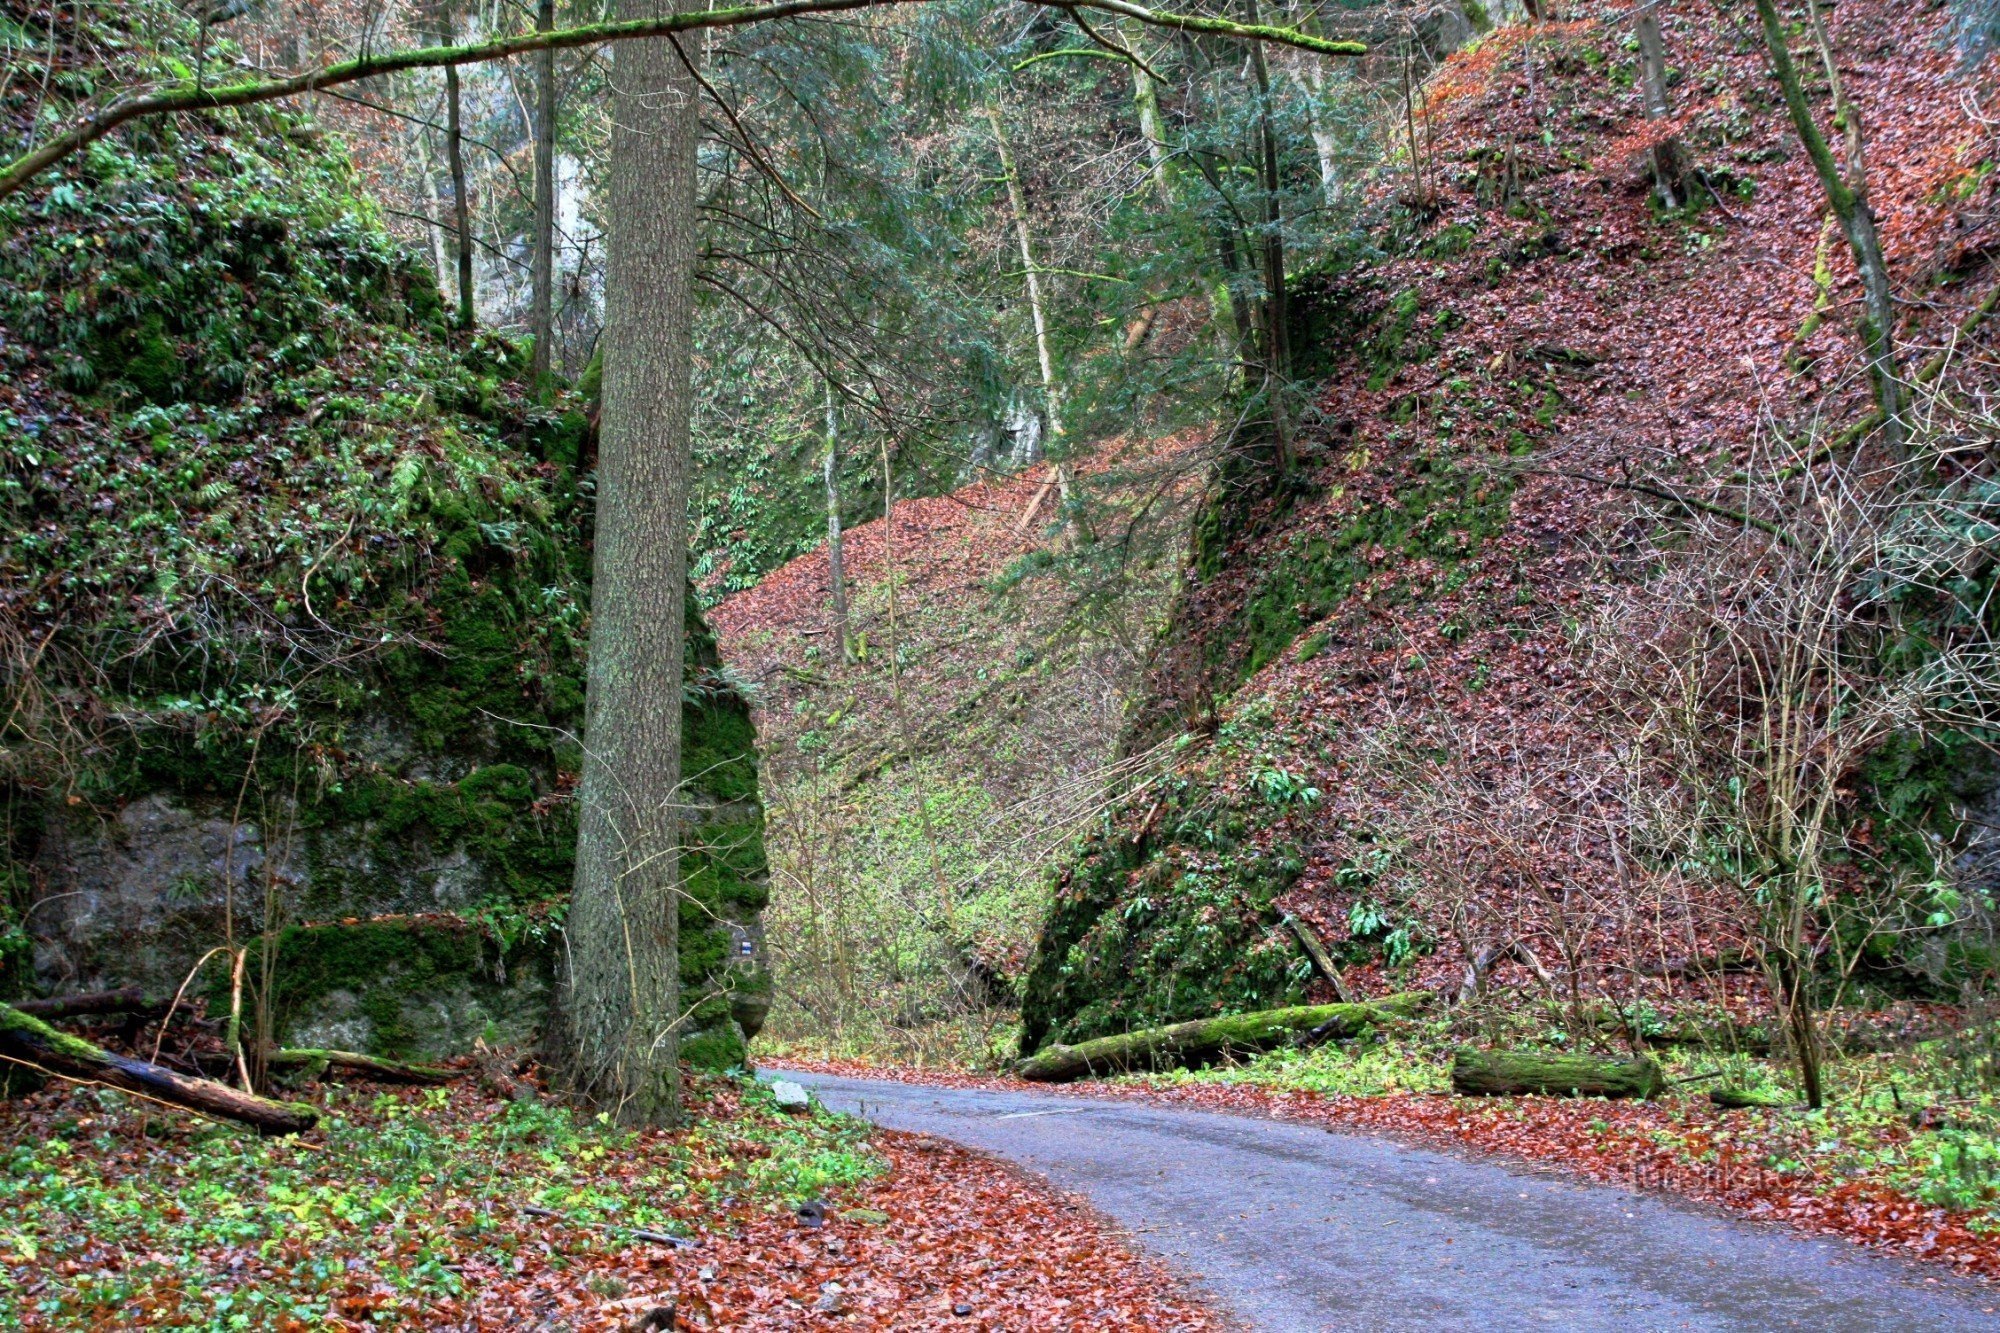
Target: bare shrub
1766, 658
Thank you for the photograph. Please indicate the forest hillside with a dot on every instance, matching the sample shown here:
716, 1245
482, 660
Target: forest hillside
1419, 669
295, 585
920, 793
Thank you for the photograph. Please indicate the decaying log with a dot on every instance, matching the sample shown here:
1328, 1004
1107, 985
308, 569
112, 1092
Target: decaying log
27, 1040
1745, 1099
1316, 950
129, 1000
1549, 1074
318, 1062
1208, 1038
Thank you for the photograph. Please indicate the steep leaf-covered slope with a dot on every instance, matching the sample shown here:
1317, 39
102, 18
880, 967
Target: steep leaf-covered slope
1523, 335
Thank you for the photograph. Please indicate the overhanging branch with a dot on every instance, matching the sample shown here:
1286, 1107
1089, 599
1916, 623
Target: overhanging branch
191, 96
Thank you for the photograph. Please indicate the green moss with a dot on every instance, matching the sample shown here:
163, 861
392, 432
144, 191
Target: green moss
1442, 517
397, 973
1184, 929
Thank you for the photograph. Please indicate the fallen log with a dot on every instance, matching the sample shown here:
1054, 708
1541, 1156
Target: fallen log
128, 1000
1209, 1038
1748, 1099
27, 1040
1316, 950
1550, 1074
318, 1062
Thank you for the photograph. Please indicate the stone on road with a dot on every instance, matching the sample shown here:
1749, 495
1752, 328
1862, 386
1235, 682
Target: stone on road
1292, 1227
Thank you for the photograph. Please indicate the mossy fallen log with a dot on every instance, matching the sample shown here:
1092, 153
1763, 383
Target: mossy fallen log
319, 1062
1747, 1099
1209, 1038
1550, 1074
27, 1040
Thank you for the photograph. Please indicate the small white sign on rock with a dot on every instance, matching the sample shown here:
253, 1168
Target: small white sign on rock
790, 1096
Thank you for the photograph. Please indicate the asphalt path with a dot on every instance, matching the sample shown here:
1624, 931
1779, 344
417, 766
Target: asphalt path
1293, 1227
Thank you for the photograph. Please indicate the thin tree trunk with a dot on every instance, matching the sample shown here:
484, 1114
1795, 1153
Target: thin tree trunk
835, 566
541, 300
1277, 337
615, 1035
1849, 200
1326, 144
1653, 79
1146, 100
1017, 201
427, 167
454, 151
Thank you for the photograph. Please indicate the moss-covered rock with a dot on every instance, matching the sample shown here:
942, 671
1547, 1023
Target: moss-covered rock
1176, 926
311, 607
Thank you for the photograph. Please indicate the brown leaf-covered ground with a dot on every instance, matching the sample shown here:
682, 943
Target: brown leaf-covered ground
407, 1211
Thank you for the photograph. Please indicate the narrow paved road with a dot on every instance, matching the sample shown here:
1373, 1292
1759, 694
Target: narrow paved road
1291, 1227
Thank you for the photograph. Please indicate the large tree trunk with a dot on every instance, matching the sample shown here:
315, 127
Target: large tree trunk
1549, 1074
542, 262
615, 1036
1209, 1038
27, 1040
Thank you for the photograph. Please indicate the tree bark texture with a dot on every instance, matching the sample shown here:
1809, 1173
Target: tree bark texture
1552, 1074
1203, 1039
454, 153
615, 1035
27, 1040
542, 261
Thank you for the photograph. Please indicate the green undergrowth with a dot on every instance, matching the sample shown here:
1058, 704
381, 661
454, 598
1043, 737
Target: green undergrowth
1441, 515
111, 1215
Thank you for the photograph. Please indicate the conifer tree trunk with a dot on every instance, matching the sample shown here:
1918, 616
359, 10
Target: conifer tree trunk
1277, 355
835, 566
454, 153
541, 299
614, 1036
1847, 195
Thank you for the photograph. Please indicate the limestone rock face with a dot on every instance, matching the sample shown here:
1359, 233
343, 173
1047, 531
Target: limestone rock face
416, 901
